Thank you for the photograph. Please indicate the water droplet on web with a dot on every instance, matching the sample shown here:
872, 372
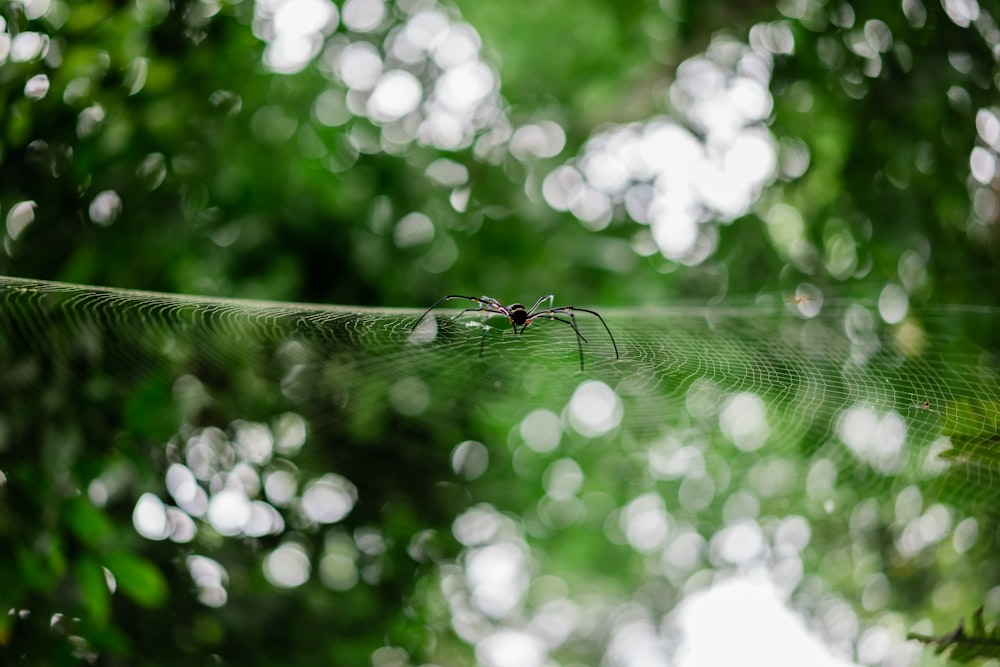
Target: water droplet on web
425, 332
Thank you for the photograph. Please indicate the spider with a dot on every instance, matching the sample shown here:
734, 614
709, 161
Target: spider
520, 317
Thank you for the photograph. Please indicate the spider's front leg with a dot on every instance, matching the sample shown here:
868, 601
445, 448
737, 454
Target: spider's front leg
547, 297
481, 309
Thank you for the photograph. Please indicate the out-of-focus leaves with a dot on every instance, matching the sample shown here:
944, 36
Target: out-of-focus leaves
163, 154
41, 565
90, 525
94, 593
137, 578
965, 644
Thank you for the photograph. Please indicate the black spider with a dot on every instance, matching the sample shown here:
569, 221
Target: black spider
520, 317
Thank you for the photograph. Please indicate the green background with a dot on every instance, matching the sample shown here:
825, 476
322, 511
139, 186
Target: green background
230, 186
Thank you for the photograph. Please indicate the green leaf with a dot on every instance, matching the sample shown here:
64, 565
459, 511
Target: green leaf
965, 644
42, 566
94, 590
138, 578
88, 523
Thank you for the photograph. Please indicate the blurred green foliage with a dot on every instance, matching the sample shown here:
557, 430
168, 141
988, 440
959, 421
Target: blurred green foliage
230, 185
158, 151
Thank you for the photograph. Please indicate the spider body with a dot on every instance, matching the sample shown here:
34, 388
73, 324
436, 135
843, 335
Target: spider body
520, 316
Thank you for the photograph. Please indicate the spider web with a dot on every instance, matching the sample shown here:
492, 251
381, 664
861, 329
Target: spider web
760, 433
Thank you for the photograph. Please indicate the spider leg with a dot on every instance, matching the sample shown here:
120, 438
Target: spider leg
580, 340
475, 310
489, 305
569, 311
486, 304
548, 297
550, 315
573, 319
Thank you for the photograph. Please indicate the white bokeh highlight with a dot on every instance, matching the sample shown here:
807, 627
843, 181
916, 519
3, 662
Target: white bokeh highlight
677, 174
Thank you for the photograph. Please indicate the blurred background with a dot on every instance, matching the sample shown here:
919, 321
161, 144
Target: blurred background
622, 155
379, 153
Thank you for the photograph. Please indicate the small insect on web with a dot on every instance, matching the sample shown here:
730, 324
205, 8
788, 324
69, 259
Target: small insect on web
520, 317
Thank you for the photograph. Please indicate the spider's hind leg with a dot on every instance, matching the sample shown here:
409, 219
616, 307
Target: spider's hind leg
570, 309
580, 339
